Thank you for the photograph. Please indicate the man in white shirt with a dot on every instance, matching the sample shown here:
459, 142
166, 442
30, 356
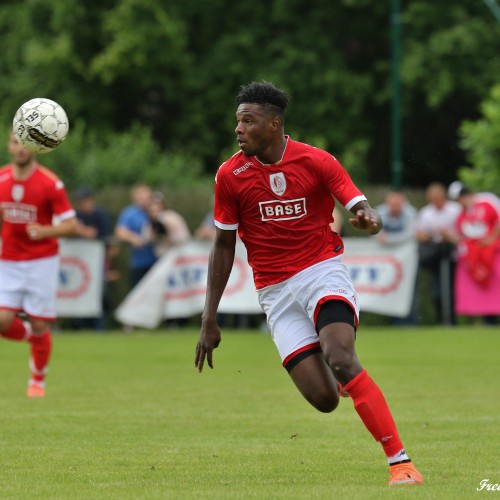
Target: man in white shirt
436, 235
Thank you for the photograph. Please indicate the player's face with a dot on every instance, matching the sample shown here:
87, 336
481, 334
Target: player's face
254, 129
20, 156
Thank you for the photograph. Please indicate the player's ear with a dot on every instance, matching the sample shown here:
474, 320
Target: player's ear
275, 123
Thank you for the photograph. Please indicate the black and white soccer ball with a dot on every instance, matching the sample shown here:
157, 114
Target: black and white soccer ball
40, 125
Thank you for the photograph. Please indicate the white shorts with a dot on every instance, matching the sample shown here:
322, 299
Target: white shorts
292, 306
30, 286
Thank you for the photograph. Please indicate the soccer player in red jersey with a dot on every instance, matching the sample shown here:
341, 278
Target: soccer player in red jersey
279, 195
31, 198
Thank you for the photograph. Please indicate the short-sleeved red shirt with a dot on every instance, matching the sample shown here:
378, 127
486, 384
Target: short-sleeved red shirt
37, 199
283, 211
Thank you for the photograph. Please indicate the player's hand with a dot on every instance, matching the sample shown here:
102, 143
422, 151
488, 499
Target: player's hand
367, 220
208, 341
35, 231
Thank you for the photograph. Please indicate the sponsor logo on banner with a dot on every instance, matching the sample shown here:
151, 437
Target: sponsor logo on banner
74, 278
278, 183
188, 277
374, 274
283, 209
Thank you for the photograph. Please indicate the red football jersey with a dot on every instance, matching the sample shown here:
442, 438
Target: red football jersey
283, 211
37, 199
480, 220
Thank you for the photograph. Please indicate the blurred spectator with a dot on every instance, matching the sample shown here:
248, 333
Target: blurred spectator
133, 227
206, 230
399, 217
478, 266
436, 236
168, 227
93, 223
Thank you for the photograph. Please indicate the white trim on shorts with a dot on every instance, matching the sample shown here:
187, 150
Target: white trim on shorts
30, 286
292, 306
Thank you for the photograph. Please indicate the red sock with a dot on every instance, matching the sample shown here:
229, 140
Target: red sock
41, 347
18, 330
371, 406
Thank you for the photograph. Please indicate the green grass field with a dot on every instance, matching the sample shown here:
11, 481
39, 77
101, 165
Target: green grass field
128, 417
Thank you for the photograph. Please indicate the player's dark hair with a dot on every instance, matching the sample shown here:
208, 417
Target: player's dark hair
266, 95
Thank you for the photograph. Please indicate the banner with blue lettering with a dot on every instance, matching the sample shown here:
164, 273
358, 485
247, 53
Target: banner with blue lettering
80, 278
384, 275
175, 287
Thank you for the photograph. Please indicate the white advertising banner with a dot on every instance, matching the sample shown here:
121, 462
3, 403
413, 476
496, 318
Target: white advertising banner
384, 276
80, 278
175, 287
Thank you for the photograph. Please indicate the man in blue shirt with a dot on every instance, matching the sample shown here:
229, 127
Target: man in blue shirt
134, 228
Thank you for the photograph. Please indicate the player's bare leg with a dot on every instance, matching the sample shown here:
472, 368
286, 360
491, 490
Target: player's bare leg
337, 343
315, 380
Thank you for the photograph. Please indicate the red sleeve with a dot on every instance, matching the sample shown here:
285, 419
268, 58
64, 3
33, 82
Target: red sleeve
61, 206
225, 205
339, 182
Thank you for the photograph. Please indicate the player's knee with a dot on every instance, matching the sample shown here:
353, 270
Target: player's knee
5, 321
326, 402
341, 363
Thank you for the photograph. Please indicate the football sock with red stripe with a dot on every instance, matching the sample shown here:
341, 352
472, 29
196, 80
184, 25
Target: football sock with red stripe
41, 348
18, 330
371, 406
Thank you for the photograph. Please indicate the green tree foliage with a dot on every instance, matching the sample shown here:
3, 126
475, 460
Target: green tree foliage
164, 74
481, 140
450, 62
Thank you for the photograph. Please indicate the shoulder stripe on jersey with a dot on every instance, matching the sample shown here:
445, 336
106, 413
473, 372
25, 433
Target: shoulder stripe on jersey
49, 174
355, 200
227, 227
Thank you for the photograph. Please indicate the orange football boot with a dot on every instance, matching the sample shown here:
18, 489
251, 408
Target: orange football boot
405, 473
35, 390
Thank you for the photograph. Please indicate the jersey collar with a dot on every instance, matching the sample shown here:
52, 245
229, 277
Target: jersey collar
275, 164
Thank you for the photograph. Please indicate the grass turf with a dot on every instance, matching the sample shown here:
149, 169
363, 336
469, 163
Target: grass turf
128, 417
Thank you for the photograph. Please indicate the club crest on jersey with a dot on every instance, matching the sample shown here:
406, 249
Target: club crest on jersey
17, 192
278, 183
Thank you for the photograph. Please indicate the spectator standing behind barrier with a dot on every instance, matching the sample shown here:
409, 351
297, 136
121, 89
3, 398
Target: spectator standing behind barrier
478, 267
206, 230
133, 227
436, 236
94, 223
168, 227
398, 216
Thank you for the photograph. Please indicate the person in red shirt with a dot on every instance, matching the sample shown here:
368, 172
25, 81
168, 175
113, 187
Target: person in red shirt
278, 194
477, 281
35, 211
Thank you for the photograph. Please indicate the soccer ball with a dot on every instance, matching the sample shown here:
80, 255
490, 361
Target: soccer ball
40, 125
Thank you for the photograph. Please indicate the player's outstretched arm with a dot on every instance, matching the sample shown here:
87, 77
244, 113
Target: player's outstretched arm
219, 269
366, 218
65, 228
